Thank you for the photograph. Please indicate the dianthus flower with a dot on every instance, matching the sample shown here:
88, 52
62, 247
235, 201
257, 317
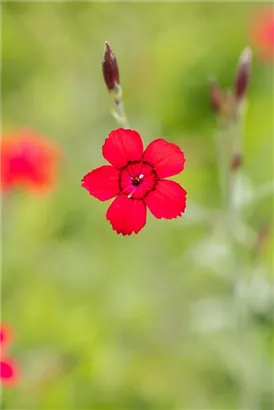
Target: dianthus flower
8, 372
5, 336
8, 369
28, 161
137, 179
262, 32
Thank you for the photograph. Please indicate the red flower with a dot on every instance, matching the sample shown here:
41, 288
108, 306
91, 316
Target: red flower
8, 369
262, 33
136, 178
8, 372
28, 161
5, 335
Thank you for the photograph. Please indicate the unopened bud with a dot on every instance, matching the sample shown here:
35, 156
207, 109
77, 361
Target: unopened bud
216, 96
261, 240
110, 68
243, 73
236, 162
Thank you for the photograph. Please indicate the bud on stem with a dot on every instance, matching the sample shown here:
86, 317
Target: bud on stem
236, 162
242, 74
216, 96
110, 68
261, 241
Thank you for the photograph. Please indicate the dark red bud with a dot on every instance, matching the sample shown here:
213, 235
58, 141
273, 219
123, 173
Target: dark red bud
216, 96
237, 161
243, 73
110, 68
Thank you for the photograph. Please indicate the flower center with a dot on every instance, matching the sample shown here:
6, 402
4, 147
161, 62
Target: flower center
137, 179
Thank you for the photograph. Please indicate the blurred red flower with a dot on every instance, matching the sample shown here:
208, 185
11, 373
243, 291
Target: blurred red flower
5, 335
8, 372
262, 32
28, 161
8, 368
136, 178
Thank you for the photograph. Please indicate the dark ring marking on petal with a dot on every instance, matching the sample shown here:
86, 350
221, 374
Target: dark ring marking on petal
138, 162
150, 190
153, 171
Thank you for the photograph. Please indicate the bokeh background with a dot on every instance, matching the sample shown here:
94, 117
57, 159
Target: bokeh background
150, 321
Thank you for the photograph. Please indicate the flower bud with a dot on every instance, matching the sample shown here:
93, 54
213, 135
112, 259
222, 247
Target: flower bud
243, 73
110, 68
236, 162
262, 238
216, 96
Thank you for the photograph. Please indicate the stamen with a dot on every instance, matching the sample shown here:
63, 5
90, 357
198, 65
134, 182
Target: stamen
130, 195
141, 176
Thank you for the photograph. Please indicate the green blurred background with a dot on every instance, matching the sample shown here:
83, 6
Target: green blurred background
146, 322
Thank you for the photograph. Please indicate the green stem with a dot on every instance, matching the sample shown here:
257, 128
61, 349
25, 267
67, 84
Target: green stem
224, 153
228, 145
119, 112
236, 134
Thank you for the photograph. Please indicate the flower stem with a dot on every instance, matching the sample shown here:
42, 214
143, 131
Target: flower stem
229, 150
119, 111
223, 154
229, 147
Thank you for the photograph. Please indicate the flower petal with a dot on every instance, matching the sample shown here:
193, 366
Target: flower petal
167, 158
8, 372
122, 146
28, 161
168, 200
127, 215
5, 335
102, 182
